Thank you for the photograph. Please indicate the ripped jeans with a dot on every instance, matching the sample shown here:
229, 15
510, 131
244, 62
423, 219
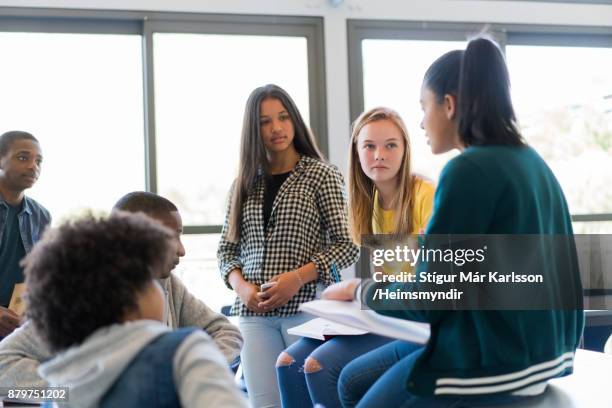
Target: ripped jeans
317, 383
264, 338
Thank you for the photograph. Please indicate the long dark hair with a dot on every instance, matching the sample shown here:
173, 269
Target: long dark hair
478, 78
253, 157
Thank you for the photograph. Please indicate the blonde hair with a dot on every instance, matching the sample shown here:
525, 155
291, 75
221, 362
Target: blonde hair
361, 188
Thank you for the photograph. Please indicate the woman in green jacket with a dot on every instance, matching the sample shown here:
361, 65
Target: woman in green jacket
497, 185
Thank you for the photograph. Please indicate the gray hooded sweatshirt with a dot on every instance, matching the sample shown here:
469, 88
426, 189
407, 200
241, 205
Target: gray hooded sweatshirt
22, 351
200, 371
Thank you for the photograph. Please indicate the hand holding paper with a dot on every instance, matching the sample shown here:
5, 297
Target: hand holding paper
344, 290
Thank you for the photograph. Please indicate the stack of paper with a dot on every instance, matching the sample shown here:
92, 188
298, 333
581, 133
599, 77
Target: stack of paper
350, 314
322, 329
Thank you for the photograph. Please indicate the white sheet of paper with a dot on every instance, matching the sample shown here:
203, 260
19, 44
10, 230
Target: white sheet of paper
351, 314
318, 328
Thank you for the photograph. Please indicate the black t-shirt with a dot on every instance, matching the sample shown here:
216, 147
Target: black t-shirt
11, 252
273, 184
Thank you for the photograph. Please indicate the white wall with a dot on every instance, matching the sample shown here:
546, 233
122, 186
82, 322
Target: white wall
491, 11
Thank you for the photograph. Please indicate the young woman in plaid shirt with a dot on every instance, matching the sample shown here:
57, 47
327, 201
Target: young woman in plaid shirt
286, 223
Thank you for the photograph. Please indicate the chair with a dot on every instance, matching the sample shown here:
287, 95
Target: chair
235, 365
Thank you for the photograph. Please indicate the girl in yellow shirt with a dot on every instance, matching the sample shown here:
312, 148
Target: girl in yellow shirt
385, 197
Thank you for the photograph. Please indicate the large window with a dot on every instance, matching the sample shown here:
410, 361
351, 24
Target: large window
124, 101
392, 75
85, 110
202, 77
561, 87
198, 270
563, 98
201, 86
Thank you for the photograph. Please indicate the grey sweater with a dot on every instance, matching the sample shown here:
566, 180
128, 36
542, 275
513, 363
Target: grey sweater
201, 376
22, 351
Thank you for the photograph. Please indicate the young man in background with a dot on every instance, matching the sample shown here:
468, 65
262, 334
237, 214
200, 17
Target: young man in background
22, 219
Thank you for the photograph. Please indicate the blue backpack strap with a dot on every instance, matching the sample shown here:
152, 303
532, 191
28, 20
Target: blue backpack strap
149, 379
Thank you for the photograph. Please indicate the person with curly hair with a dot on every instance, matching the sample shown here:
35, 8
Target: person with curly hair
22, 351
93, 298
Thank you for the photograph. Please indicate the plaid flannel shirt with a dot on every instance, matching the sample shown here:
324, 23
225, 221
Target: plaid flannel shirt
308, 223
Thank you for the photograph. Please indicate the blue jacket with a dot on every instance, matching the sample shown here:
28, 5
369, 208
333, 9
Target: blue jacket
33, 219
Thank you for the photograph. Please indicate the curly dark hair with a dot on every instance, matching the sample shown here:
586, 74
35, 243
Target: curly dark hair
85, 274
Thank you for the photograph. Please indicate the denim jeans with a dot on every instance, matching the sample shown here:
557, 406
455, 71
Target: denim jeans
264, 339
379, 378
299, 389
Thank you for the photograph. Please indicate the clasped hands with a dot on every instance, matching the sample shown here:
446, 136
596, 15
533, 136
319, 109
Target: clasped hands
285, 287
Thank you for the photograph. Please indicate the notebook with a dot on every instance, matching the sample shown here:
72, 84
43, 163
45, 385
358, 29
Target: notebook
17, 305
323, 329
350, 314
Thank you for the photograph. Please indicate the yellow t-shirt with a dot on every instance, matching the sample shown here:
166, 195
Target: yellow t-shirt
423, 205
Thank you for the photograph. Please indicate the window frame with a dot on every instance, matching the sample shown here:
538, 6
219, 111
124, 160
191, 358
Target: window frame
582, 2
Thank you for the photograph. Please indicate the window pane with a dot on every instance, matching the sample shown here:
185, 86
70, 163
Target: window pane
201, 86
86, 112
393, 71
563, 98
199, 272
592, 227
